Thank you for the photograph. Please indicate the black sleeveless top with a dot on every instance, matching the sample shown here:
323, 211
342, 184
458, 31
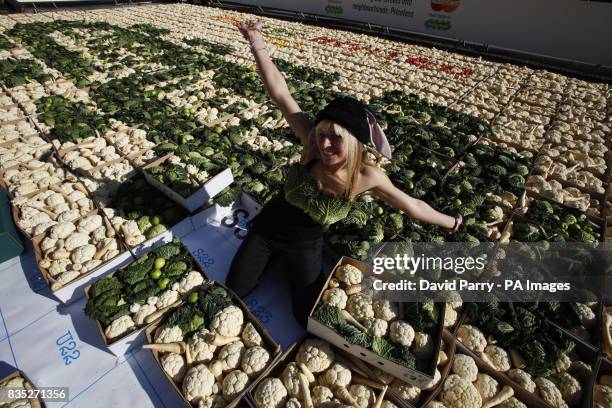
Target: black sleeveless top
281, 220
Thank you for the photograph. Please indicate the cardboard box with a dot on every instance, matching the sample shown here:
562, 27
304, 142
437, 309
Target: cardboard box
271, 346
584, 351
357, 367
18, 373
196, 200
73, 290
427, 396
129, 340
16, 210
407, 374
604, 367
10, 242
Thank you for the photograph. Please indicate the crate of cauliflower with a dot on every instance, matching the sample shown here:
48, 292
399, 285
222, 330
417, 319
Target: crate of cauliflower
313, 373
18, 383
128, 300
527, 351
212, 348
77, 250
390, 335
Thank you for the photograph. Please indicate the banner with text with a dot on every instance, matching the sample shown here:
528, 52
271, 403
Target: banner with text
568, 29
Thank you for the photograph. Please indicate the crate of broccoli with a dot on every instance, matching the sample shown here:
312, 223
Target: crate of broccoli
185, 183
128, 300
313, 372
212, 348
379, 331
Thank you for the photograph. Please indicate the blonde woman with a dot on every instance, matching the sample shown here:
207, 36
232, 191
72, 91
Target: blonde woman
333, 169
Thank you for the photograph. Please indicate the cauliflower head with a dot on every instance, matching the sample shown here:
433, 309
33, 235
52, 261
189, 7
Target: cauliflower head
254, 361
316, 355
401, 333
293, 403
231, 355
170, 334
487, 386
364, 396
201, 351
570, 388
472, 338
522, 378
359, 306
270, 393
458, 392
376, 327
549, 392
337, 376
174, 365
349, 274
497, 357
602, 396
385, 310
228, 322
335, 297
406, 391
465, 367
291, 379
250, 336
321, 394
119, 326
422, 347
198, 383
234, 383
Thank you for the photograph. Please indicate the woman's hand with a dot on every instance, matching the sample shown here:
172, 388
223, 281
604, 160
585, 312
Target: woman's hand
250, 29
458, 222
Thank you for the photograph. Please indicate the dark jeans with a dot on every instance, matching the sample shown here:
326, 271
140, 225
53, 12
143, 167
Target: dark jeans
302, 261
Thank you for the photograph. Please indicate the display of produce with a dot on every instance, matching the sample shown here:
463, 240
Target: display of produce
516, 339
143, 291
106, 113
210, 348
313, 373
469, 385
403, 333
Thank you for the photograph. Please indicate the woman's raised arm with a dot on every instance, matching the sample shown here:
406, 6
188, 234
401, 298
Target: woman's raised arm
274, 82
384, 189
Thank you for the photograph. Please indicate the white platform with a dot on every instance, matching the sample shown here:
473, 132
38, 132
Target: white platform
32, 324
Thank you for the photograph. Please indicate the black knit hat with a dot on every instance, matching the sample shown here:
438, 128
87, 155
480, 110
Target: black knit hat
357, 118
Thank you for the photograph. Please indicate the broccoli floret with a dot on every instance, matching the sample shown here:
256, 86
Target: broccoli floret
522, 170
497, 171
516, 181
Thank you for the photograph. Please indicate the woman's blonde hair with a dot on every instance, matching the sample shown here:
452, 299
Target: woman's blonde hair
356, 153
